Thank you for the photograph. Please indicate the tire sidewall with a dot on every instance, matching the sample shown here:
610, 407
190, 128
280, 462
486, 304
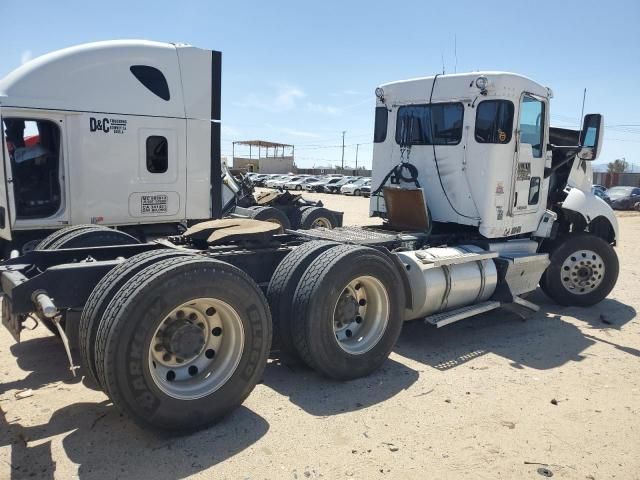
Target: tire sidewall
321, 308
280, 300
131, 372
552, 282
314, 213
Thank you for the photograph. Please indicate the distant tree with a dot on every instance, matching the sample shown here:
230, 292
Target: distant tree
619, 165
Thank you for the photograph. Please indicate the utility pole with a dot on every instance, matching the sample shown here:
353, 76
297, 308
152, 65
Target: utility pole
357, 145
343, 132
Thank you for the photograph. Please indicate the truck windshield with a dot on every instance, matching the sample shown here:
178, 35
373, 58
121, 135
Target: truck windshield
494, 121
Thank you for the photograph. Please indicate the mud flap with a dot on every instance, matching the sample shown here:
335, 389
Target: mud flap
12, 322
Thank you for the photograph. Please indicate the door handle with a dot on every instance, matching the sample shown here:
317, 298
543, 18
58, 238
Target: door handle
515, 202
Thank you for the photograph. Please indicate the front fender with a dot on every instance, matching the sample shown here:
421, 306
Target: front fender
590, 207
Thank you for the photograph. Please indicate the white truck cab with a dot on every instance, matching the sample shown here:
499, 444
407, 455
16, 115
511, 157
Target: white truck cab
122, 133
486, 155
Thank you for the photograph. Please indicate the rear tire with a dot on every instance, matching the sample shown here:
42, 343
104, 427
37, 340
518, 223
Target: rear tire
93, 237
273, 215
282, 287
100, 297
583, 271
55, 241
315, 217
348, 311
46, 243
145, 310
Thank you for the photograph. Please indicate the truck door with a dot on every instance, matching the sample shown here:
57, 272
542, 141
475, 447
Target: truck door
530, 156
5, 217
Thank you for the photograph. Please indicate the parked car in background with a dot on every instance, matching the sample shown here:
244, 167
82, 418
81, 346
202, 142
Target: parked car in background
299, 183
355, 187
259, 179
318, 185
624, 198
334, 187
365, 190
601, 194
321, 187
602, 188
279, 179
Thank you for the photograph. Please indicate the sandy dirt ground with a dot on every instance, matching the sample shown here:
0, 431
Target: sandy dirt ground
490, 397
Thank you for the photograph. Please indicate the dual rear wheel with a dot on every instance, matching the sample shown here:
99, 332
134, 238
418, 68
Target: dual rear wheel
339, 308
174, 339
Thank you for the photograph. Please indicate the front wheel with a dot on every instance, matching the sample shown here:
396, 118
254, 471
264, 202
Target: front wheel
583, 271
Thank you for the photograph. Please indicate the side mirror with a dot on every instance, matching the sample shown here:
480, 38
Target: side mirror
591, 136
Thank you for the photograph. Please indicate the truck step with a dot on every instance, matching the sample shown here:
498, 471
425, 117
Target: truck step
445, 318
432, 261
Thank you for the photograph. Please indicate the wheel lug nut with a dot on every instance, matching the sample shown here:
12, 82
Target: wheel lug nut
193, 317
362, 302
180, 314
358, 319
166, 357
158, 347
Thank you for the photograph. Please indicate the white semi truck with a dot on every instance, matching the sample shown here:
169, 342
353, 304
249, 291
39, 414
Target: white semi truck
483, 201
123, 134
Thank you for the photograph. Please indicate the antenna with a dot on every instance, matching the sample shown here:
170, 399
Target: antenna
455, 53
442, 56
584, 97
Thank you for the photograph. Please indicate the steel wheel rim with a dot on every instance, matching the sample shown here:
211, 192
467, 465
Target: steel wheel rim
582, 272
321, 222
216, 360
361, 315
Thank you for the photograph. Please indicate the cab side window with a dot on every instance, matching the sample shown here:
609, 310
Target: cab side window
157, 154
494, 121
380, 127
532, 124
35, 156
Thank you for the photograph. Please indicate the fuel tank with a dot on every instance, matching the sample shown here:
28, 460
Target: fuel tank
445, 278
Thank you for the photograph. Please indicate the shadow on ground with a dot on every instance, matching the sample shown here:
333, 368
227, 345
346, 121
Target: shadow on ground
542, 340
45, 360
103, 442
323, 397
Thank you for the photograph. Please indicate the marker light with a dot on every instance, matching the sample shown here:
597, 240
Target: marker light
482, 82
380, 93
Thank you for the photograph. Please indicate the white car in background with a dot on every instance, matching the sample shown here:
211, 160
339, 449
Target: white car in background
355, 187
317, 185
300, 183
283, 181
276, 180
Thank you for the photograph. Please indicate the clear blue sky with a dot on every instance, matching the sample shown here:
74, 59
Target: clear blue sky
301, 72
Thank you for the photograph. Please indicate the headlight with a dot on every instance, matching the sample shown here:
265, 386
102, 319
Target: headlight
482, 82
379, 93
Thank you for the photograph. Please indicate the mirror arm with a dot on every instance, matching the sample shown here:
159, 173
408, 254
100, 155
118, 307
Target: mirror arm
548, 171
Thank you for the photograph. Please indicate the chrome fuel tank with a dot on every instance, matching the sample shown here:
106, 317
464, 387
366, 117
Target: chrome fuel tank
444, 278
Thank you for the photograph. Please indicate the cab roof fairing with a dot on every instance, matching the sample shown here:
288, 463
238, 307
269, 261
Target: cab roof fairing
96, 77
460, 86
